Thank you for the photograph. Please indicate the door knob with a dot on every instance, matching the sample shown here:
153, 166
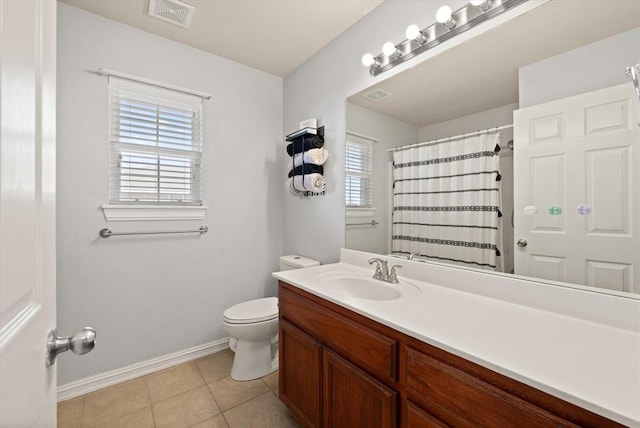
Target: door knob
81, 343
522, 242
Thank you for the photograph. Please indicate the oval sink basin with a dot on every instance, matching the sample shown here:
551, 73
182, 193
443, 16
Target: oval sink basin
343, 284
364, 288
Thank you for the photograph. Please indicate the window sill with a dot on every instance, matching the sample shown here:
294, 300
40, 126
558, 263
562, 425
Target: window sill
152, 212
360, 212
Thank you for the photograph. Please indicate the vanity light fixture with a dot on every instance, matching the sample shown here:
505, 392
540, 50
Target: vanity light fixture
484, 5
448, 24
444, 16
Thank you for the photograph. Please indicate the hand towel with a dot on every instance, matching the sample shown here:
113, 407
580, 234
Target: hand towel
306, 169
313, 156
308, 183
304, 143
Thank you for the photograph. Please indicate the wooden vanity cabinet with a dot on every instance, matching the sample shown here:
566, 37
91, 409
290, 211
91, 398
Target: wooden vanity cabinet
333, 370
341, 369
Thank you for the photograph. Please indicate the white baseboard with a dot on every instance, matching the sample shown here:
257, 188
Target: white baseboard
103, 380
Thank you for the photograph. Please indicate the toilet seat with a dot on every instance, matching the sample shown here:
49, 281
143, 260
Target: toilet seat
252, 311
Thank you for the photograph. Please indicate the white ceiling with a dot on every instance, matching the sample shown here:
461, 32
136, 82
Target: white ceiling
482, 73
275, 36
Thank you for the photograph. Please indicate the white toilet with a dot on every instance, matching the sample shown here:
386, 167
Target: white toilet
252, 327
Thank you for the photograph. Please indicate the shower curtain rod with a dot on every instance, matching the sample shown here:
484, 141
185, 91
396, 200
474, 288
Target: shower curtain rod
455, 137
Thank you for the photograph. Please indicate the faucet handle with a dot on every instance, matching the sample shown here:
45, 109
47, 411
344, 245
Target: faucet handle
393, 277
378, 272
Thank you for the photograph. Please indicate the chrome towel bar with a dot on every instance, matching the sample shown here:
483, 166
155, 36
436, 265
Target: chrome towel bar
371, 223
105, 233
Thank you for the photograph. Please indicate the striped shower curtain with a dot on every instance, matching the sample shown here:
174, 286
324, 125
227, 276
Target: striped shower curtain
446, 201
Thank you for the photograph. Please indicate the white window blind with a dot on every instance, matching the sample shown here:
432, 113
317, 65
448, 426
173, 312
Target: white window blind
359, 172
156, 145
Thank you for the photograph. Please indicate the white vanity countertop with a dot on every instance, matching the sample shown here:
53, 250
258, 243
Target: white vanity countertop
593, 365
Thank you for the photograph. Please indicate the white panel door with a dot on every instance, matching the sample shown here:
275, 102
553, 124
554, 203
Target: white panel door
577, 186
27, 211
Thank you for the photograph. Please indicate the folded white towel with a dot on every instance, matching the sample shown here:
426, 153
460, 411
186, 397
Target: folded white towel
313, 156
308, 183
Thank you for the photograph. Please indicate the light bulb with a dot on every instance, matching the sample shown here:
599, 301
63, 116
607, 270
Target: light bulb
484, 5
413, 33
444, 17
368, 60
388, 49
443, 14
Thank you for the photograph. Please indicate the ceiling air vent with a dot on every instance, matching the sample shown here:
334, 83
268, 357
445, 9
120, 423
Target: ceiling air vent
173, 11
377, 95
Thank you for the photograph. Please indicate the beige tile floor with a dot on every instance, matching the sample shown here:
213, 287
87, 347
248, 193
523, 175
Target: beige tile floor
199, 394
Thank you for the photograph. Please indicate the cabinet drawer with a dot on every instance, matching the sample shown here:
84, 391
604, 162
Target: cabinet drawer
460, 399
418, 418
372, 351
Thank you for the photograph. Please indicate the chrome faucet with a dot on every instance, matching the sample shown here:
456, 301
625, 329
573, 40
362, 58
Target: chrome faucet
411, 256
382, 268
393, 277
382, 271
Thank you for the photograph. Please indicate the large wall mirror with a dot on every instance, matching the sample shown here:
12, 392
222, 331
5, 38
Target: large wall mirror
516, 152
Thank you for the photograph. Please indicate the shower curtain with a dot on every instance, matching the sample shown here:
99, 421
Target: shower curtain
446, 201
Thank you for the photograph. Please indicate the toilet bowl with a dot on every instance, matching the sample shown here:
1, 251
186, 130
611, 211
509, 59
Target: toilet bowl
253, 330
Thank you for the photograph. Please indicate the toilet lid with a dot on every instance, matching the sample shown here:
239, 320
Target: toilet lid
252, 311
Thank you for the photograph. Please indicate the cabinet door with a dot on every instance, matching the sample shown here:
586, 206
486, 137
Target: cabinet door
354, 399
300, 371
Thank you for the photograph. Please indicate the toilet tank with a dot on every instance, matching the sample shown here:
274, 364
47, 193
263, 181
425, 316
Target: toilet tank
296, 262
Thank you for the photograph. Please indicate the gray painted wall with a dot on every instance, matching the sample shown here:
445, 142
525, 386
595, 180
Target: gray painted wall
389, 133
151, 296
588, 68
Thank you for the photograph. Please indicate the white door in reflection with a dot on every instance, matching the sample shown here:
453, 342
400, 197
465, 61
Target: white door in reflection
576, 161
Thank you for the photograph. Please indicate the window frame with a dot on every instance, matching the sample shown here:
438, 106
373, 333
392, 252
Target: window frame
121, 209
366, 209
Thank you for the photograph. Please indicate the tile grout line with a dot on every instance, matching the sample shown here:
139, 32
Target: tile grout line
109, 417
246, 401
84, 399
225, 420
214, 397
243, 402
153, 417
204, 383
